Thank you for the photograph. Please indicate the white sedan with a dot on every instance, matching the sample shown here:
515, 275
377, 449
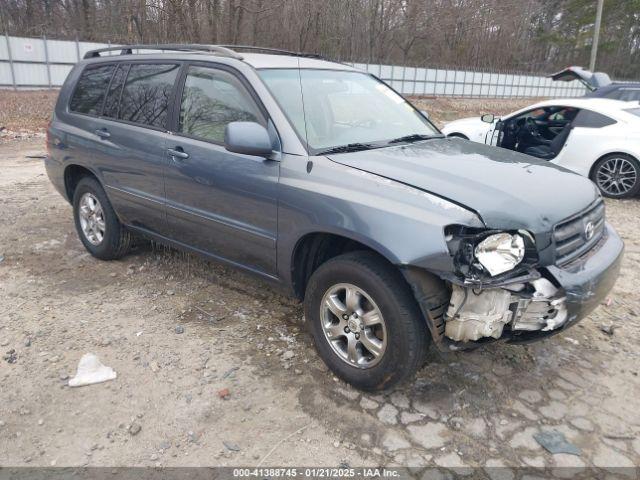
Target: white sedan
595, 137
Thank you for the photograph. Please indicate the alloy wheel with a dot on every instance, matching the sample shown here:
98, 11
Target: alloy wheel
91, 218
616, 176
353, 325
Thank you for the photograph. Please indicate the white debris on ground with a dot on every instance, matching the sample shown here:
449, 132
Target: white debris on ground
91, 370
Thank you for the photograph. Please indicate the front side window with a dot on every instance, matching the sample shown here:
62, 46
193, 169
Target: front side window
89, 94
147, 94
344, 108
212, 99
563, 114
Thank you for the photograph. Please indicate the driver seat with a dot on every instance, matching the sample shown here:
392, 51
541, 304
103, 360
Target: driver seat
547, 152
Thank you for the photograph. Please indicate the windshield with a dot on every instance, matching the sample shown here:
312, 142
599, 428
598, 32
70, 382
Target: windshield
336, 110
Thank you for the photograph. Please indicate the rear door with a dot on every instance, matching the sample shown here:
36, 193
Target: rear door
219, 202
134, 134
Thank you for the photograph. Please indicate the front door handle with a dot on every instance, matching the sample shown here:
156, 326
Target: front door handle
103, 133
178, 153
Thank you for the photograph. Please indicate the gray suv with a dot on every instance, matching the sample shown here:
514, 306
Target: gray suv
323, 180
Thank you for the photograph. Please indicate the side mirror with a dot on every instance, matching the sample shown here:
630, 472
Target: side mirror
488, 117
247, 138
425, 114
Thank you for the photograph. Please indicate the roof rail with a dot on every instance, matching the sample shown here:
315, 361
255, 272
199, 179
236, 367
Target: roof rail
128, 49
272, 50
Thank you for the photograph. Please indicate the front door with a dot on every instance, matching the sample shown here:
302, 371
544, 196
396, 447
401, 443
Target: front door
219, 202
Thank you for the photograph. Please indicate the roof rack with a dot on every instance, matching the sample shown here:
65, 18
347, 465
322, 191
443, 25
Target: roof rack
128, 49
272, 50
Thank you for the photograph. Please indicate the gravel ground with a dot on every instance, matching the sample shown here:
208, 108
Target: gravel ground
215, 368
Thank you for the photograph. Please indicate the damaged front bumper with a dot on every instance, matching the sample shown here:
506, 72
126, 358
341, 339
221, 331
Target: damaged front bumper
535, 306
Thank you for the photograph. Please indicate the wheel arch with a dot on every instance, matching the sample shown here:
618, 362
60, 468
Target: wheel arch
73, 173
315, 248
458, 135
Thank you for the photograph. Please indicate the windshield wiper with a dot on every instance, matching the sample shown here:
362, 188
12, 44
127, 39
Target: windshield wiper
350, 147
414, 137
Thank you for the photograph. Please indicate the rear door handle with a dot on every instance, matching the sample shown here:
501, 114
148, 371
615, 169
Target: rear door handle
103, 133
178, 153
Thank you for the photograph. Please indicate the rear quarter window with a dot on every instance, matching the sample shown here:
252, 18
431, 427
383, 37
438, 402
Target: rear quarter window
589, 119
147, 94
88, 96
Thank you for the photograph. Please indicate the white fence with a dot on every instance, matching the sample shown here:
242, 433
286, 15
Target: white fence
33, 63
469, 83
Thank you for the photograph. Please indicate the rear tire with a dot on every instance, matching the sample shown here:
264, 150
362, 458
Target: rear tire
400, 337
96, 222
617, 175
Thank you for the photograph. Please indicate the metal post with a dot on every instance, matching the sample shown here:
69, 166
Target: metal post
46, 59
77, 49
596, 36
13, 73
455, 81
464, 84
415, 76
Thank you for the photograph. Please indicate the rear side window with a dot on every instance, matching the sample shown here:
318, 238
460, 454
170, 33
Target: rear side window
115, 91
89, 94
211, 99
147, 94
589, 119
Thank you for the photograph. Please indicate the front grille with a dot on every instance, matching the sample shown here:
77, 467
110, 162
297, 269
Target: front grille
571, 236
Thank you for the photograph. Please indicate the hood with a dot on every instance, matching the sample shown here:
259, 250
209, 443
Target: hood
591, 80
508, 190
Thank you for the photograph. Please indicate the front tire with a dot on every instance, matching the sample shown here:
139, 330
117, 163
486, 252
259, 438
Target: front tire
96, 222
365, 322
617, 175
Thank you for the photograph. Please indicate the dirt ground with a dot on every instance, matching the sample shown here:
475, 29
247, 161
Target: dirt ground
179, 331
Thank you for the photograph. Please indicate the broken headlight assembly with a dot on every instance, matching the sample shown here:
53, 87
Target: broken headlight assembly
484, 255
500, 252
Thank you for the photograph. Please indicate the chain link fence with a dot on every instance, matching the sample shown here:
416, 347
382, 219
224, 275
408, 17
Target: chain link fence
41, 63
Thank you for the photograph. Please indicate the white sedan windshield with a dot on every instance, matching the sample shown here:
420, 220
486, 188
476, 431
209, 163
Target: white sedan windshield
334, 108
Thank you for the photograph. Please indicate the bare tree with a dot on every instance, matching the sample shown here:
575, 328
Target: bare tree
526, 35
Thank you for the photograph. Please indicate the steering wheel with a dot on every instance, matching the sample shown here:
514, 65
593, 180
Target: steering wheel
529, 135
531, 127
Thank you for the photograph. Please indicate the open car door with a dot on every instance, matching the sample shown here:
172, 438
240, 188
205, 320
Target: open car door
591, 80
495, 135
